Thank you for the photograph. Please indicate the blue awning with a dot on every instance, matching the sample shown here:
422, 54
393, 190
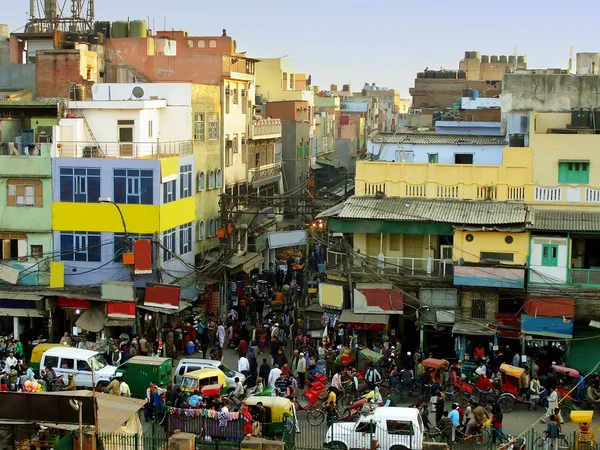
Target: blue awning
547, 326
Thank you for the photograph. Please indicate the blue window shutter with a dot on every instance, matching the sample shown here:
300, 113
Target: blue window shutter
66, 247
146, 191
66, 188
94, 249
93, 190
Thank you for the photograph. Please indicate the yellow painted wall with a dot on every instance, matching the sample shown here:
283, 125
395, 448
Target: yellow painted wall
490, 241
548, 149
207, 156
168, 167
399, 178
104, 217
269, 78
176, 213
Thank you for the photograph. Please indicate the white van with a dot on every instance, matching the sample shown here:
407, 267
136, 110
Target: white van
190, 364
79, 362
396, 429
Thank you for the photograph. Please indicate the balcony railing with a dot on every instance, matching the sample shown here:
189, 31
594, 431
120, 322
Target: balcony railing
567, 193
42, 149
269, 172
401, 265
585, 276
143, 150
264, 129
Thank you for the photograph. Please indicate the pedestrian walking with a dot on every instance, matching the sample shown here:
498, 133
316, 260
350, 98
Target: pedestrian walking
221, 334
301, 370
552, 431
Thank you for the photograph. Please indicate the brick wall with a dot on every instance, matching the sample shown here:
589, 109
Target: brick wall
490, 297
441, 93
56, 70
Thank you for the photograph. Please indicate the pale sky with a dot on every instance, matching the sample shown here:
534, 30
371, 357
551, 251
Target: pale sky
379, 41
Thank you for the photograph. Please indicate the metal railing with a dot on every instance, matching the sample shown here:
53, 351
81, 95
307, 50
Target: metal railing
266, 172
39, 149
150, 150
396, 264
585, 276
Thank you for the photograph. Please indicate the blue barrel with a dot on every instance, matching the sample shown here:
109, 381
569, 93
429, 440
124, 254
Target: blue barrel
475, 94
190, 347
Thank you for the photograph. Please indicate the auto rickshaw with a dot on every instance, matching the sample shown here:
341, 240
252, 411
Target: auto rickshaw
509, 394
280, 414
586, 438
36, 355
435, 367
198, 379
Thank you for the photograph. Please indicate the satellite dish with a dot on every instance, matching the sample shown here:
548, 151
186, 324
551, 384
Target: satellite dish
137, 92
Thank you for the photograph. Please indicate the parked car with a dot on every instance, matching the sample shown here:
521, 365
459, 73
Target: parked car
396, 429
190, 364
66, 360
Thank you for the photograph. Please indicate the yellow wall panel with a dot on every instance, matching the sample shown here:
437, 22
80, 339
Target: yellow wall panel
490, 241
169, 167
57, 275
177, 213
98, 217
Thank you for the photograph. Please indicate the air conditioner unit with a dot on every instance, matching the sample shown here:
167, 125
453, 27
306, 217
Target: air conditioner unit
446, 251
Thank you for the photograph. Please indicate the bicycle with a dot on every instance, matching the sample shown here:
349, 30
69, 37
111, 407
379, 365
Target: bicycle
543, 442
478, 439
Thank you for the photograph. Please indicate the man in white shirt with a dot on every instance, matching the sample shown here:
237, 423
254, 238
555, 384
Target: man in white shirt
481, 370
124, 389
11, 361
336, 381
239, 389
274, 375
244, 365
221, 334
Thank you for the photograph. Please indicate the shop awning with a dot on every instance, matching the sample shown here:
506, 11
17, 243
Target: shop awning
245, 263
119, 323
182, 306
331, 296
166, 296
282, 239
550, 307
73, 303
373, 322
547, 326
92, 319
374, 298
20, 312
121, 310
472, 329
5, 295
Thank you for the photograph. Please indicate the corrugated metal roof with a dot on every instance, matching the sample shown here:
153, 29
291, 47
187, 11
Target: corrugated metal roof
431, 210
552, 220
438, 139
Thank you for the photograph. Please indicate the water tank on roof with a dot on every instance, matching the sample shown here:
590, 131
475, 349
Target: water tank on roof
138, 29
485, 59
580, 118
451, 74
475, 94
103, 27
333, 87
77, 92
521, 59
420, 74
4, 30
462, 74
475, 55
502, 59
466, 92
516, 140
467, 55
440, 74
93, 38
511, 59
430, 74
120, 29
494, 59
346, 88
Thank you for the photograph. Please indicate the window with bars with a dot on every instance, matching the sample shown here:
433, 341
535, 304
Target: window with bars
201, 230
201, 182
79, 185
170, 191
133, 186
211, 179
213, 127
80, 246
199, 127
168, 240
185, 181
478, 309
25, 192
185, 238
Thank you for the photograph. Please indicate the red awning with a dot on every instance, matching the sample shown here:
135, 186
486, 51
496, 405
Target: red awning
74, 303
550, 307
121, 310
509, 325
162, 296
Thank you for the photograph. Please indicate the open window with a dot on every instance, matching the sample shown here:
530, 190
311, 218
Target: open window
366, 427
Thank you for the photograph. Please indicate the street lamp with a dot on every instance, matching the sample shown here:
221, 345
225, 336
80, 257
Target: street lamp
76, 405
109, 200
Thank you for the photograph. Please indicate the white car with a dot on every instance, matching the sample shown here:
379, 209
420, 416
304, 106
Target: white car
80, 363
395, 428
